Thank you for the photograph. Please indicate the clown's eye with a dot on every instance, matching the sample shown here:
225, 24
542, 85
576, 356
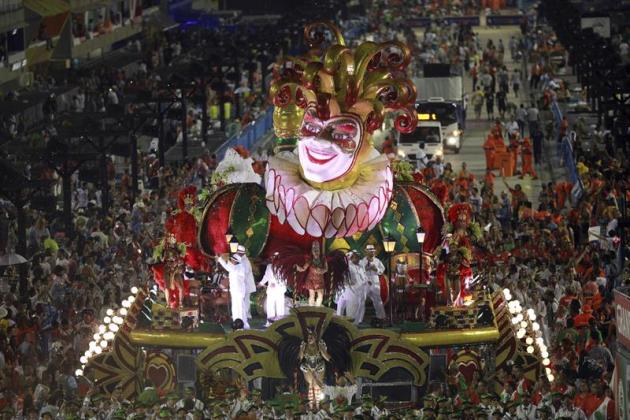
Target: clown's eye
344, 140
311, 129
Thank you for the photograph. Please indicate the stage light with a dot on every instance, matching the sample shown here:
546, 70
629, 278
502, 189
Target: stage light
507, 295
98, 350
134, 290
83, 359
88, 353
92, 345
529, 340
126, 304
515, 320
540, 340
78, 372
109, 312
131, 298
118, 320
542, 347
102, 328
122, 311
96, 336
545, 362
104, 344
550, 378
530, 349
535, 326
109, 335
523, 324
114, 328
520, 333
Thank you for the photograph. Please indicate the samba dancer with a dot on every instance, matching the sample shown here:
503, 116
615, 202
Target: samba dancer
237, 273
276, 288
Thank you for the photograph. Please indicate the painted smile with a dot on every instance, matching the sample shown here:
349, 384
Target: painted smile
318, 157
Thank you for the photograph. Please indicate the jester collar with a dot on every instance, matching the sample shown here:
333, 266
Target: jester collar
330, 213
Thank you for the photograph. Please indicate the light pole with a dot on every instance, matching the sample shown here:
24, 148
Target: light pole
420, 234
388, 245
233, 245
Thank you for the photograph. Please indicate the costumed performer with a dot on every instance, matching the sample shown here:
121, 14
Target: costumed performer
249, 283
169, 270
275, 305
354, 292
315, 268
374, 268
236, 273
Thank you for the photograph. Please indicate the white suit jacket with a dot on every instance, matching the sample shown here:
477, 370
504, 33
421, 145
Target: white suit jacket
373, 275
236, 273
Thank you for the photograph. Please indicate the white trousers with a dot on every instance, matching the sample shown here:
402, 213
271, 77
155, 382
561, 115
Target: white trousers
374, 294
238, 307
348, 304
275, 305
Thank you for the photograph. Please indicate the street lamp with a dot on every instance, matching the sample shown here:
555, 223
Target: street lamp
388, 245
420, 234
233, 245
229, 235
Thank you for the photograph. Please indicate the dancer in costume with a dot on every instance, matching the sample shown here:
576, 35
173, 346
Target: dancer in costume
276, 288
248, 280
373, 269
169, 271
315, 268
237, 273
354, 292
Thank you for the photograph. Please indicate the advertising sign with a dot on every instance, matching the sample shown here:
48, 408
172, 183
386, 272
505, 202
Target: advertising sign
622, 317
622, 384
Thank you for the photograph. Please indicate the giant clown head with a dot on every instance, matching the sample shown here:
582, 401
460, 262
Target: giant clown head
330, 101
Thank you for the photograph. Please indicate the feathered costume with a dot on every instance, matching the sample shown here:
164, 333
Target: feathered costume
457, 248
337, 341
291, 256
182, 224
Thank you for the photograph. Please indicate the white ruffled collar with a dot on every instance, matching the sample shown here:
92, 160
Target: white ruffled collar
316, 212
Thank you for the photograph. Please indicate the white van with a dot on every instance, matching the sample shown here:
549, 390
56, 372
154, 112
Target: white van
426, 139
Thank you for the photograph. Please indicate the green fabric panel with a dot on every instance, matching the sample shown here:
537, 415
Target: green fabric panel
249, 218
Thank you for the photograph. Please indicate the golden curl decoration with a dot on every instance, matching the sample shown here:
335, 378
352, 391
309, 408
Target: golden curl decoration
369, 81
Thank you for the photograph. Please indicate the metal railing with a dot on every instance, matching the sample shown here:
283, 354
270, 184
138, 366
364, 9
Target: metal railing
250, 135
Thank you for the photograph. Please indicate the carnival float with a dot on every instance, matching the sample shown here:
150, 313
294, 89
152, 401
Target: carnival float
326, 191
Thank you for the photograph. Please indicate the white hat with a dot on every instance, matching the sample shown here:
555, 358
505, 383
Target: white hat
240, 248
370, 248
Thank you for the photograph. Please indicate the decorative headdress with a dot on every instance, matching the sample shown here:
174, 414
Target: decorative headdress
368, 82
187, 196
460, 212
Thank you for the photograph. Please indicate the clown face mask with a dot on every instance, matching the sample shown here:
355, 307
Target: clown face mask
328, 149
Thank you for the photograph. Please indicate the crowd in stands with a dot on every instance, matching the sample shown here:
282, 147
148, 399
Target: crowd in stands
548, 255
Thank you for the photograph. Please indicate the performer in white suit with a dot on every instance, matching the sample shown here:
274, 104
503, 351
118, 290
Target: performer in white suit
373, 269
276, 288
250, 284
352, 299
236, 272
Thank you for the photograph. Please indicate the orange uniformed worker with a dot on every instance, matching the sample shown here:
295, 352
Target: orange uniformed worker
513, 149
527, 155
490, 150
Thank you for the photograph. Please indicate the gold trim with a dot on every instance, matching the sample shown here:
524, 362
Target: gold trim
452, 337
177, 339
